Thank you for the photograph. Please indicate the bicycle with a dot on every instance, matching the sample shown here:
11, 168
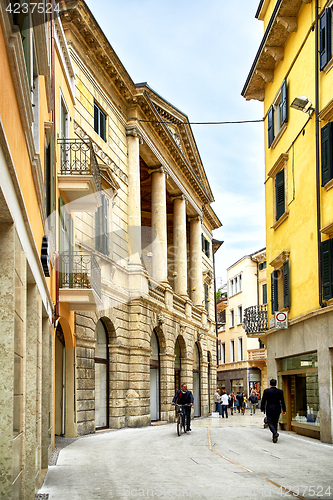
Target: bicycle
181, 419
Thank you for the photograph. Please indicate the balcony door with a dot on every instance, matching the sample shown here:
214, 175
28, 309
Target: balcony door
101, 377
154, 378
60, 385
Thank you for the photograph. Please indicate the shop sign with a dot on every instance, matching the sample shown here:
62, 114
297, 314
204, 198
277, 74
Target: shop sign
281, 319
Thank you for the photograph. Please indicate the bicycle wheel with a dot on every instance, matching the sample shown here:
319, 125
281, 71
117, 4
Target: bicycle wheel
183, 423
179, 425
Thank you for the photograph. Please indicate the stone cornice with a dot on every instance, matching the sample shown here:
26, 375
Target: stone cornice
211, 216
280, 259
278, 165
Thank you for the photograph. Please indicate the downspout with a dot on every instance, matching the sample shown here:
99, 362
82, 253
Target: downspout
321, 303
56, 261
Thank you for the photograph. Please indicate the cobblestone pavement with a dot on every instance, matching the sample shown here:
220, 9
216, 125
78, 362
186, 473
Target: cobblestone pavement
230, 458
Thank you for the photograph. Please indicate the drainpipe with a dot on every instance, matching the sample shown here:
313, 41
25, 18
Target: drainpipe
56, 255
321, 302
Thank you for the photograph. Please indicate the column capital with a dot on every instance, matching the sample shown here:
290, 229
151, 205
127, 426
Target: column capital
196, 217
179, 197
158, 170
133, 131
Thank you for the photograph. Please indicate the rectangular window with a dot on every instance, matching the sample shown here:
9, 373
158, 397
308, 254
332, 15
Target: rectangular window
279, 194
232, 318
240, 283
325, 38
206, 297
326, 153
223, 353
277, 114
239, 315
262, 265
99, 122
102, 227
231, 287
326, 268
232, 350
280, 291
264, 293
240, 349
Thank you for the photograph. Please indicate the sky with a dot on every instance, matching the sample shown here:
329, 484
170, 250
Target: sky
197, 55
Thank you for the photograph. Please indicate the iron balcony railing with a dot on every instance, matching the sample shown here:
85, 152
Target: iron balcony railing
77, 270
78, 158
255, 319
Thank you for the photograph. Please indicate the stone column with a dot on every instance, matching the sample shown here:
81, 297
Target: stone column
180, 247
159, 225
196, 261
134, 196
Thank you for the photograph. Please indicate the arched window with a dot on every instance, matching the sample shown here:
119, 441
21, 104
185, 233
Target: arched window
177, 365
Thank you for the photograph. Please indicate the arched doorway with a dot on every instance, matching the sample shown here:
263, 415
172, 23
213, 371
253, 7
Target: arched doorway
60, 378
196, 380
154, 378
177, 365
101, 377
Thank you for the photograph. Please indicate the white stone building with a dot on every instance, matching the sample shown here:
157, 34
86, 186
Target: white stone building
152, 324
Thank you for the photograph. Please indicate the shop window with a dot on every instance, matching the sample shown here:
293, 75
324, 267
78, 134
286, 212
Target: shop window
280, 291
99, 122
278, 115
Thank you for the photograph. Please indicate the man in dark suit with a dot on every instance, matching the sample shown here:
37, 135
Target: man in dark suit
184, 397
272, 403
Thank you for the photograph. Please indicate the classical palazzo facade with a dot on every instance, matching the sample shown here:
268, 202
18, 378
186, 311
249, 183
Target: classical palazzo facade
151, 324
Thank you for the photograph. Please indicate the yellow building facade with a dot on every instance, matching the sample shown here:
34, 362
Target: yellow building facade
292, 75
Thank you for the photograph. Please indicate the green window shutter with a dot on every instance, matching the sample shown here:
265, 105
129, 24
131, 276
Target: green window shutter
280, 194
96, 118
326, 154
264, 294
284, 103
202, 242
270, 118
274, 291
325, 38
286, 289
207, 248
105, 235
326, 268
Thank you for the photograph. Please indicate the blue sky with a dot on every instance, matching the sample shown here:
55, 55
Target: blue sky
197, 55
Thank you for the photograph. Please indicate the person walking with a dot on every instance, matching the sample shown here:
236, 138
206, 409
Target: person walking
224, 404
231, 402
217, 400
240, 399
272, 403
253, 402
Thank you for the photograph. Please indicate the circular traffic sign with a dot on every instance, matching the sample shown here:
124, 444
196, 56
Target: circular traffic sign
281, 316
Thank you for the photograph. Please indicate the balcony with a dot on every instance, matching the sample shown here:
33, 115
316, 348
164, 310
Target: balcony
255, 320
79, 281
257, 358
79, 178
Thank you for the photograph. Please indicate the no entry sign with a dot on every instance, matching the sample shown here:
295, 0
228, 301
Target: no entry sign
281, 319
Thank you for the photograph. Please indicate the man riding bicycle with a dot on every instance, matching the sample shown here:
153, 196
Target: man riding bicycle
184, 397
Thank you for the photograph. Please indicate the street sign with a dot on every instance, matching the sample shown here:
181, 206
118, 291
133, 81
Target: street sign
281, 319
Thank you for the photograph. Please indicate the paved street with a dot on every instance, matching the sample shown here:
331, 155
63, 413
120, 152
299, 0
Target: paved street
221, 458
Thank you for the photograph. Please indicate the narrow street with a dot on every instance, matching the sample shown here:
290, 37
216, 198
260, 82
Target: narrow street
231, 459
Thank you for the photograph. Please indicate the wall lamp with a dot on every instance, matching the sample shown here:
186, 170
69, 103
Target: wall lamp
302, 104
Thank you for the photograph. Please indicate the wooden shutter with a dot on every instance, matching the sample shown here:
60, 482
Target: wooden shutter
284, 103
270, 117
326, 268
325, 38
274, 291
202, 242
105, 235
286, 290
264, 294
326, 154
207, 248
279, 194
206, 297
96, 113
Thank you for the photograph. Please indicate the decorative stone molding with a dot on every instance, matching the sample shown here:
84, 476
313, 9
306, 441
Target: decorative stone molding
278, 165
276, 52
289, 23
280, 259
160, 319
266, 75
328, 229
